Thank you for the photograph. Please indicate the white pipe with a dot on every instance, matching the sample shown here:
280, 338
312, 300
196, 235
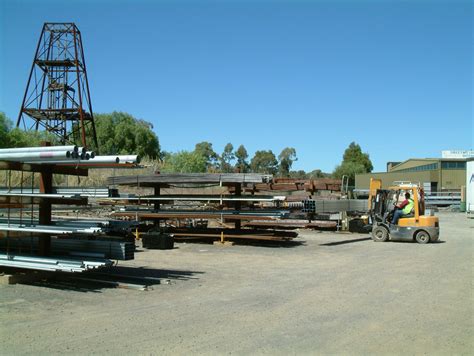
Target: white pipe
35, 156
81, 162
104, 159
91, 154
129, 159
92, 161
58, 161
71, 148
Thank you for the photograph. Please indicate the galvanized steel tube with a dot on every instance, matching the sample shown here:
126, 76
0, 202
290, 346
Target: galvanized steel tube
35, 156
71, 148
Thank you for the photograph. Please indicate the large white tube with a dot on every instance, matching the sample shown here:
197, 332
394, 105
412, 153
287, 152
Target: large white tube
58, 161
96, 160
71, 148
129, 158
35, 156
104, 159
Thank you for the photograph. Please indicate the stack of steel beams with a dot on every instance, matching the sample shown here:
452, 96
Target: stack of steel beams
189, 178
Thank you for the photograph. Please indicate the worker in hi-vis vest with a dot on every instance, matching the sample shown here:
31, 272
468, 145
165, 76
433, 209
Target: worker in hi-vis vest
403, 209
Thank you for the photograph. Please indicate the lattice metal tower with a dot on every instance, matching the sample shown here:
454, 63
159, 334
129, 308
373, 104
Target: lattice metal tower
57, 97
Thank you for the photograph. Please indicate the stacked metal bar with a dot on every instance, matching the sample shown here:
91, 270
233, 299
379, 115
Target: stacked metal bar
226, 206
52, 264
89, 192
116, 250
49, 229
39, 233
189, 178
205, 198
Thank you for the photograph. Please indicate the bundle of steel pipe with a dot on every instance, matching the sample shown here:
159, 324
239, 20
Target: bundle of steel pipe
71, 148
49, 229
117, 250
84, 224
52, 264
90, 192
94, 161
62, 155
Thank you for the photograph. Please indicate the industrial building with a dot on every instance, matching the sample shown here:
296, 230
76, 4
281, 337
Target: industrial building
435, 174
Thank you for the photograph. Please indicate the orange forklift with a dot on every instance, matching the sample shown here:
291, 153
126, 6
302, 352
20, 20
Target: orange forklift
415, 226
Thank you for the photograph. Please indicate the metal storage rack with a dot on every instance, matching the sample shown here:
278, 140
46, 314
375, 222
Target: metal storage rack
233, 200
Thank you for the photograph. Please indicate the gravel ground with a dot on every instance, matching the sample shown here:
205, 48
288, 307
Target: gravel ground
334, 293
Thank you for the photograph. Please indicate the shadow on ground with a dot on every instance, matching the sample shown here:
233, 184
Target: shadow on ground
124, 277
249, 242
343, 242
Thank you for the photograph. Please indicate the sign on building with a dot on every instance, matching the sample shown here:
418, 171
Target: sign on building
457, 154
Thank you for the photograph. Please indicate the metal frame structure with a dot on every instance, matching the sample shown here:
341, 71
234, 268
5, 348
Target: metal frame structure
57, 97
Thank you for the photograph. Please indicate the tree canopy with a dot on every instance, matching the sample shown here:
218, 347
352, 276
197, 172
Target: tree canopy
184, 162
242, 156
286, 158
226, 159
264, 162
121, 133
354, 161
205, 150
15, 137
4, 129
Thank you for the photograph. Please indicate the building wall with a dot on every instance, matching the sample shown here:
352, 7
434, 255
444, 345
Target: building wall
470, 186
445, 178
452, 178
362, 181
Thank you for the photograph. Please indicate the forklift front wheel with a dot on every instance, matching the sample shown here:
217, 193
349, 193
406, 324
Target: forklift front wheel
422, 237
379, 234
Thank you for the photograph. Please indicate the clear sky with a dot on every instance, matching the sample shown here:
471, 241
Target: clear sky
394, 76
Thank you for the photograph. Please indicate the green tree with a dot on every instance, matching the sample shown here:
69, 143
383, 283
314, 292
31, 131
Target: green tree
184, 162
242, 164
5, 124
205, 149
349, 169
301, 174
354, 162
317, 173
18, 138
226, 158
121, 133
286, 158
264, 162
353, 153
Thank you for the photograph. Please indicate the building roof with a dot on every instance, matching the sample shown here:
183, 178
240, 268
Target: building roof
423, 161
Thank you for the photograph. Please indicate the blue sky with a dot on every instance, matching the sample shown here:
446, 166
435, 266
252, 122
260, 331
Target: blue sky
394, 76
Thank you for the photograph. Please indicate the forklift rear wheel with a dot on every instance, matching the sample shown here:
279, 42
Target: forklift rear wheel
422, 237
379, 234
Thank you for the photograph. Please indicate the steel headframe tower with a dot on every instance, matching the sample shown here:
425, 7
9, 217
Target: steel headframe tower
57, 97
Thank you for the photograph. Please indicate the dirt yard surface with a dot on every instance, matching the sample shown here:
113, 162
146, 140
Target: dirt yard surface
333, 293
